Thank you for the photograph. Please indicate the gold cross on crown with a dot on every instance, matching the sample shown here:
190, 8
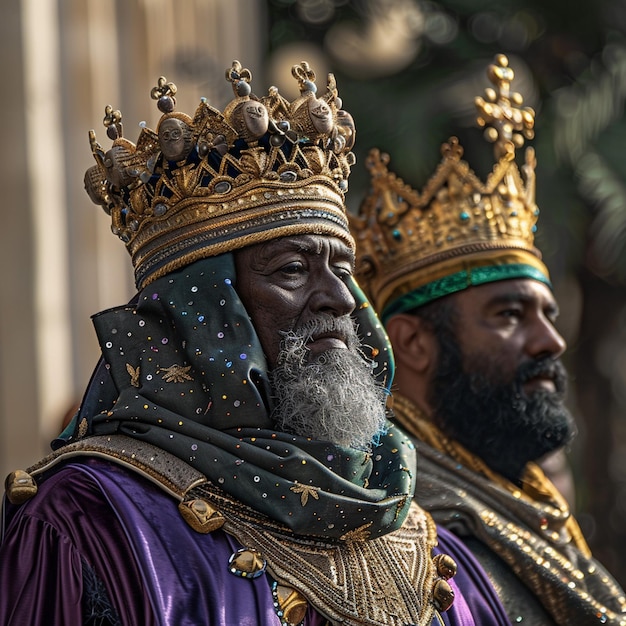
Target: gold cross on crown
506, 122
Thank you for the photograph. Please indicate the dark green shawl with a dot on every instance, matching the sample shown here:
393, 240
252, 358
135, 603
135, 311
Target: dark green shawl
183, 369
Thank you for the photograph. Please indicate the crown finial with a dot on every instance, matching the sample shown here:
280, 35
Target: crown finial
313, 116
305, 77
246, 113
506, 123
415, 246
240, 77
164, 94
112, 122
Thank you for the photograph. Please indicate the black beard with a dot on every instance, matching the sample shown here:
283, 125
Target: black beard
496, 420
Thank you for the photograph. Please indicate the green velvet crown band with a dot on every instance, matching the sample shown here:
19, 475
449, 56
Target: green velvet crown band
469, 277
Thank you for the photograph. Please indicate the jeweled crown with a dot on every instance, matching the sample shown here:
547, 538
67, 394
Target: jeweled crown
203, 185
413, 247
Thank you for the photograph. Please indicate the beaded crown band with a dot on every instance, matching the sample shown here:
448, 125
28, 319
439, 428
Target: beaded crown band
414, 247
218, 181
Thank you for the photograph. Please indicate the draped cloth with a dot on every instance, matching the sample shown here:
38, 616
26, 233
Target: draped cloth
157, 570
530, 528
183, 371
158, 560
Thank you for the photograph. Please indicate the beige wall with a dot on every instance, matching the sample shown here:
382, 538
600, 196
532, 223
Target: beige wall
64, 60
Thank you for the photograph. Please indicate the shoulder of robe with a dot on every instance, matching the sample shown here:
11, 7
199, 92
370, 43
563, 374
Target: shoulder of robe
162, 468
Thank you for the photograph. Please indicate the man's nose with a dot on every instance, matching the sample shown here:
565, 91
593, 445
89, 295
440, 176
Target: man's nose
332, 296
545, 340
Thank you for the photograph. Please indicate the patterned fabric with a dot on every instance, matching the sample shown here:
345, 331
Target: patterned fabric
384, 581
189, 376
529, 528
381, 582
157, 570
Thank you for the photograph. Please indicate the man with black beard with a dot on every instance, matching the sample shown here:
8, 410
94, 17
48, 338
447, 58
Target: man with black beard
505, 414
468, 306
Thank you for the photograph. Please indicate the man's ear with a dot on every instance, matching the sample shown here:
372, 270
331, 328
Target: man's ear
414, 344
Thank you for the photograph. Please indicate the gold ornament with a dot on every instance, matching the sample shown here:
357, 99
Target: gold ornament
458, 231
201, 516
20, 487
443, 595
215, 182
247, 563
291, 602
446, 566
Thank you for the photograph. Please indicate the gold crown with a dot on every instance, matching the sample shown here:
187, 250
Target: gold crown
414, 247
201, 186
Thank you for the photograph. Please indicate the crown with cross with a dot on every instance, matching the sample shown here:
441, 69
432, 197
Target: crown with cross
200, 186
458, 231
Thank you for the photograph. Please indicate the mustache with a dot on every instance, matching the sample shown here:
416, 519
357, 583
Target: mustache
325, 324
544, 368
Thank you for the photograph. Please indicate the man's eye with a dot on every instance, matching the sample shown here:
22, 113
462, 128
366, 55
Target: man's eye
292, 268
511, 313
342, 271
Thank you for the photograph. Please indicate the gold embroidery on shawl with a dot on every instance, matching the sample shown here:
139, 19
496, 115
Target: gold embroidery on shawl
176, 373
385, 581
134, 374
305, 491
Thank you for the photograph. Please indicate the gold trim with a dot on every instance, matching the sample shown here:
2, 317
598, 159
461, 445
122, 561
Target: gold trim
160, 467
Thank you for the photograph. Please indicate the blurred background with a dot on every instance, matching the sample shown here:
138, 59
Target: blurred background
408, 71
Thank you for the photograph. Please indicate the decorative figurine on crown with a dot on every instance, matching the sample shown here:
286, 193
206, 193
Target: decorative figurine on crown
413, 247
201, 186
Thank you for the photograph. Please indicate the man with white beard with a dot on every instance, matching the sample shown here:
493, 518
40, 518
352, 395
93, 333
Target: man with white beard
231, 462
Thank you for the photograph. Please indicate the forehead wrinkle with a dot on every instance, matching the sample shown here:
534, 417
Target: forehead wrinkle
307, 244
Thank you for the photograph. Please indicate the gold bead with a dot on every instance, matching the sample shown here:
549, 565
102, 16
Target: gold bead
502, 60
443, 596
491, 94
491, 134
445, 564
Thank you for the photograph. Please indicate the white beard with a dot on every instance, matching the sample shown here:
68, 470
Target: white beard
335, 397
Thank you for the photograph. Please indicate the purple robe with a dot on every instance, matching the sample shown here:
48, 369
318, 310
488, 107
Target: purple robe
476, 601
156, 569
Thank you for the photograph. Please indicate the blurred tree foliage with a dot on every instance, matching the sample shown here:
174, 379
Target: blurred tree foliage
408, 71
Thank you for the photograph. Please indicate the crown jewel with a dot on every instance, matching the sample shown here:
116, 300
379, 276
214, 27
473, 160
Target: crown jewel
203, 185
458, 230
